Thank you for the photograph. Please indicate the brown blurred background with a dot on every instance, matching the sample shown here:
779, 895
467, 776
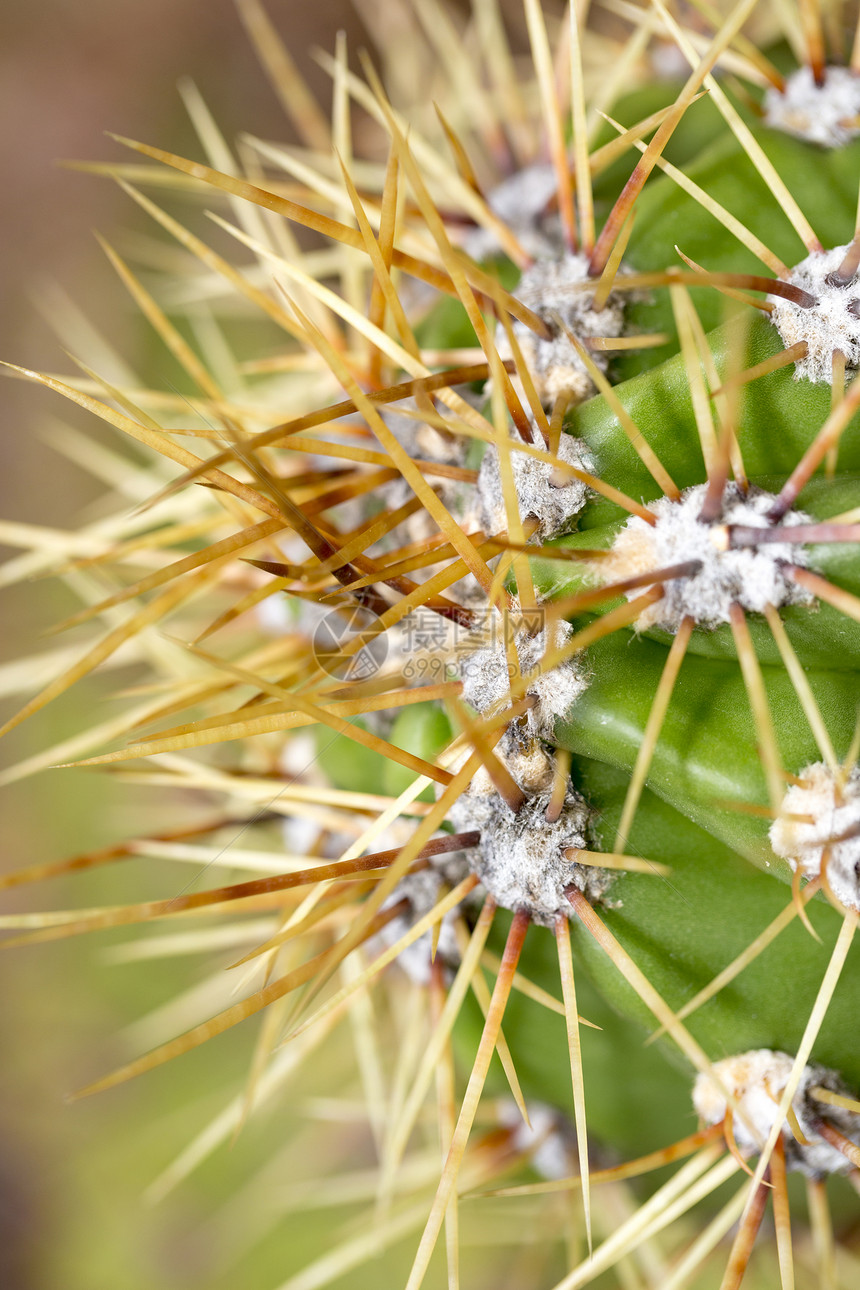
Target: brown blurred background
68, 72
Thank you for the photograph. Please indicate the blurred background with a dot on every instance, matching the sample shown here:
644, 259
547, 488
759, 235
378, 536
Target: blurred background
72, 1177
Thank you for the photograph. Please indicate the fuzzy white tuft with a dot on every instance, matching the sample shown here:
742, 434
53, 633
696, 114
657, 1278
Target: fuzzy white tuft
823, 113
521, 856
554, 503
486, 677
424, 443
521, 201
549, 288
753, 577
757, 1080
835, 810
424, 890
827, 326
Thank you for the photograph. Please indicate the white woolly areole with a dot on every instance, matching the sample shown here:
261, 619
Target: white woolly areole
521, 201
526, 759
754, 577
521, 856
817, 113
757, 1080
826, 326
553, 498
555, 366
424, 443
487, 676
424, 890
835, 810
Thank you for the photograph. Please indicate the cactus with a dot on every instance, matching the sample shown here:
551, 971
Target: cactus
561, 485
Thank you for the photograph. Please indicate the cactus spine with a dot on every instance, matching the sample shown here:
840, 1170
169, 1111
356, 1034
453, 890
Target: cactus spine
555, 456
